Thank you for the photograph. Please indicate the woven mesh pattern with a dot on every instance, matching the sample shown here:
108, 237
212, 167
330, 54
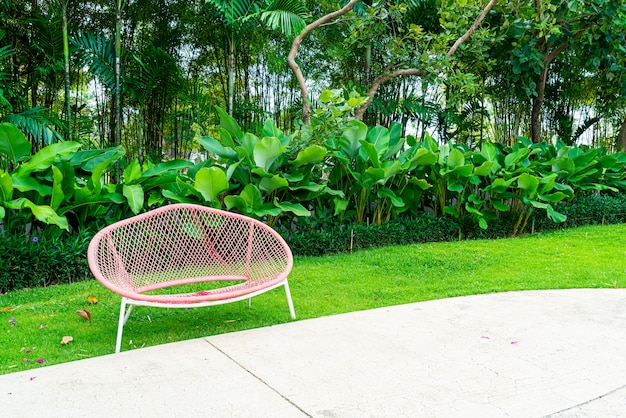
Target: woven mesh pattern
180, 244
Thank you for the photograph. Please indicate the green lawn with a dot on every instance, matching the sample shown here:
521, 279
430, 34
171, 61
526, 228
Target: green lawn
582, 257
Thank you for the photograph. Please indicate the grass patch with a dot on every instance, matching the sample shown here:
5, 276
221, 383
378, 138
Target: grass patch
585, 257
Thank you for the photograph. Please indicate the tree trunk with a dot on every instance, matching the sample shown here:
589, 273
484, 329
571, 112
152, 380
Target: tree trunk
621, 137
118, 74
66, 57
231, 76
537, 101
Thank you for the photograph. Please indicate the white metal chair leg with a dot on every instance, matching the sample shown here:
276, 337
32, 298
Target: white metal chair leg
124, 314
289, 301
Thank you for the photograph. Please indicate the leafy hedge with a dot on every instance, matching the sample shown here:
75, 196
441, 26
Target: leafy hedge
329, 239
30, 261
44, 260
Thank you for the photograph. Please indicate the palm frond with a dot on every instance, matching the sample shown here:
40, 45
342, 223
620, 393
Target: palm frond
288, 16
48, 35
36, 123
156, 72
232, 11
97, 53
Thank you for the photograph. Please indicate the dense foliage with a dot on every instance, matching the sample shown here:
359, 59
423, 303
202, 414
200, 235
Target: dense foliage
469, 119
146, 74
334, 168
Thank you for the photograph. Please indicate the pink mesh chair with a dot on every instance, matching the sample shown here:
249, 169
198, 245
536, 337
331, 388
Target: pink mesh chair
187, 256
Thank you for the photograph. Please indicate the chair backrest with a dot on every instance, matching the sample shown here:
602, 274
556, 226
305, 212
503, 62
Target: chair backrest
184, 243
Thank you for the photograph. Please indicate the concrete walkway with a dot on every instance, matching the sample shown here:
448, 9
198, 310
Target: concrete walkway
519, 354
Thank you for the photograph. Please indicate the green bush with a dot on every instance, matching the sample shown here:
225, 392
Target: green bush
343, 238
321, 239
41, 260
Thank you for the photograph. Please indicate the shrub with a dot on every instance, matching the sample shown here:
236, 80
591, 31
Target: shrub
342, 238
42, 260
313, 239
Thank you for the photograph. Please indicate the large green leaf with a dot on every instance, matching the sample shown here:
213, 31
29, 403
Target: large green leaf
6, 186
396, 142
554, 215
553, 197
340, 205
43, 213
247, 201
455, 159
13, 143
528, 183
215, 147
132, 172
422, 157
500, 185
514, 158
270, 129
269, 184
90, 159
227, 122
57, 188
134, 196
161, 168
44, 158
421, 183
310, 155
396, 200
295, 208
210, 182
25, 184
246, 150
369, 153
351, 138
489, 151
484, 169
266, 152
69, 179
379, 137
104, 164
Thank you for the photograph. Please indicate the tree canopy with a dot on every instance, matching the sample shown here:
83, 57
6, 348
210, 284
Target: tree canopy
148, 74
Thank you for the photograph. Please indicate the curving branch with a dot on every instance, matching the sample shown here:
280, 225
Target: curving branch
358, 115
388, 75
472, 28
295, 45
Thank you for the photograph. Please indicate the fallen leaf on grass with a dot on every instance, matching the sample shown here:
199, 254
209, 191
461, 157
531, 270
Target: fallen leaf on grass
228, 321
6, 310
66, 340
92, 299
84, 313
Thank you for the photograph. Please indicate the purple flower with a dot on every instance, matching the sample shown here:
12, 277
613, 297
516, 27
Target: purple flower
35, 239
40, 360
25, 360
11, 319
33, 378
13, 323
